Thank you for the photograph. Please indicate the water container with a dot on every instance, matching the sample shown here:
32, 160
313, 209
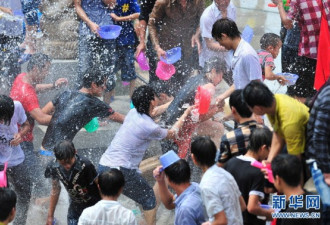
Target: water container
109, 31
168, 159
172, 56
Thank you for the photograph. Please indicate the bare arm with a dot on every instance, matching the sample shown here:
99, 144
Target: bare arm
285, 20
242, 203
255, 208
18, 138
220, 219
48, 108
54, 195
6, 10
40, 116
133, 16
160, 109
83, 16
225, 95
45, 87
142, 37
166, 196
172, 133
269, 75
117, 117
276, 147
214, 45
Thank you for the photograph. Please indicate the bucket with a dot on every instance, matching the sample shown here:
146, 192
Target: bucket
172, 56
202, 100
3, 176
109, 31
164, 71
143, 61
168, 159
92, 126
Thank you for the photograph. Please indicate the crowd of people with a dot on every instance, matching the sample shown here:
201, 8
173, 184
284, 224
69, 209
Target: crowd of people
214, 180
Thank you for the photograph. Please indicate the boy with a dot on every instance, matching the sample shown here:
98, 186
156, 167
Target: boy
287, 170
270, 46
108, 210
77, 174
221, 196
7, 205
125, 12
251, 180
187, 202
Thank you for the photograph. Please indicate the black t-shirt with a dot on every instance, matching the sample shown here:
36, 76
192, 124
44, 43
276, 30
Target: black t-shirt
79, 181
300, 221
73, 110
185, 95
250, 180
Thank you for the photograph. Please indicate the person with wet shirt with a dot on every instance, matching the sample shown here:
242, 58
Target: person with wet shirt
77, 174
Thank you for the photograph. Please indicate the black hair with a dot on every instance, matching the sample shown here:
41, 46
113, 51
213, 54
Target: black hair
7, 109
178, 172
64, 150
288, 167
160, 87
204, 150
91, 75
257, 93
110, 182
216, 63
225, 26
259, 137
8, 200
38, 60
236, 100
269, 39
142, 97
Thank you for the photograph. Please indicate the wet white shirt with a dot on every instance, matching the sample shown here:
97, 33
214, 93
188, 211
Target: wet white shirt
12, 154
245, 65
210, 15
220, 192
107, 212
132, 140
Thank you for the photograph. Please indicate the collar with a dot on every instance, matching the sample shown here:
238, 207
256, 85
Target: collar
250, 122
246, 158
239, 47
192, 188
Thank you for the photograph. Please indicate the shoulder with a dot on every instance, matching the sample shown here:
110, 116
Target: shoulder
88, 164
18, 105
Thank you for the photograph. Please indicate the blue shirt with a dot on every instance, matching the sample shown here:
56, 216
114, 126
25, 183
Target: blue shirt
189, 208
126, 8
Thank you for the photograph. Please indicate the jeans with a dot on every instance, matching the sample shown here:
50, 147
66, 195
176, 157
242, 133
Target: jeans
125, 62
29, 8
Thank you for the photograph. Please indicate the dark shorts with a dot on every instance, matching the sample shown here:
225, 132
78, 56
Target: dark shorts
125, 62
136, 187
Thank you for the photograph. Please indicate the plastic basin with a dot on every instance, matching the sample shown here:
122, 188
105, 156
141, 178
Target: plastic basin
92, 126
143, 61
109, 31
168, 159
3, 176
164, 71
292, 78
247, 33
172, 56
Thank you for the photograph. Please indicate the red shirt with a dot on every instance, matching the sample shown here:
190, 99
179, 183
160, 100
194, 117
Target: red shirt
26, 94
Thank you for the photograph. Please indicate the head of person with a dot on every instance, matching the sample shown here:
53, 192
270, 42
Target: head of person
163, 93
94, 80
225, 31
260, 142
271, 43
111, 183
178, 173
214, 69
222, 4
144, 99
8, 200
38, 66
287, 171
203, 151
65, 154
258, 97
7, 109
238, 107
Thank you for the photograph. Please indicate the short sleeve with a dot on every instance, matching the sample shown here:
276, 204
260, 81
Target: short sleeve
294, 135
103, 110
213, 202
257, 187
225, 153
158, 133
206, 25
91, 172
135, 7
186, 216
21, 116
252, 67
50, 171
30, 101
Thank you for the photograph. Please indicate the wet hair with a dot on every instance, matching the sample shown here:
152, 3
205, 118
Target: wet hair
288, 167
8, 200
225, 26
110, 182
142, 97
259, 137
178, 172
204, 150
7, 109
257, 93
38, 60
236, 100
160, 87
64, 150
269, 39
216, 63
91, 75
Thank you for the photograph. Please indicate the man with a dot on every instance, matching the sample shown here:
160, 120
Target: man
108, 210
307, 13
7, 205
287, 116
187, 202
245, 61
221, 196
287, 172
250, 179
236, 142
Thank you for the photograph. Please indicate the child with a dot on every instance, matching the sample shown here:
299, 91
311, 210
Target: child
77, 174
109, 210
270, 44
125, 12
251, 180
8, 200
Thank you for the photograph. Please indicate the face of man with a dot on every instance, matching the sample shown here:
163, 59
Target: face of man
258, 110
97, 90
225, 41
222, 4
40, 74
67, 164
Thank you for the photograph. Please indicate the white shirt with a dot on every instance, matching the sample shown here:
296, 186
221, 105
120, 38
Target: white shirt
132, 140
245, 65
12, 154
107, 212
221, 193
210, 15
